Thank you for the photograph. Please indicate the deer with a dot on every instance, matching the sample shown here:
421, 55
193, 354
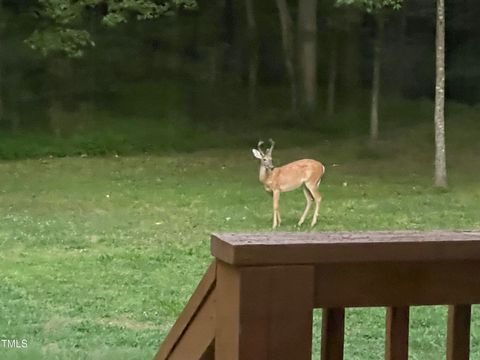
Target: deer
305, 173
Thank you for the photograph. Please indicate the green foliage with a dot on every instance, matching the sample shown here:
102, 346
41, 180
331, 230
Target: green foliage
71, 42
121, 136
164, 129
63, 20
373, 5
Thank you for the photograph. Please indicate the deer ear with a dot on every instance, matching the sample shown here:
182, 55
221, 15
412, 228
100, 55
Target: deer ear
256, 153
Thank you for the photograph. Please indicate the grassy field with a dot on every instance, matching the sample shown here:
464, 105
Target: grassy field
99, 255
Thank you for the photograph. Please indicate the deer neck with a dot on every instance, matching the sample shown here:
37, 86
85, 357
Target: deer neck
264, 174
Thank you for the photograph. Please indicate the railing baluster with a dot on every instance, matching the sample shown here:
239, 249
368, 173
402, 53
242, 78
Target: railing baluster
458, 336
333, 329
396, 334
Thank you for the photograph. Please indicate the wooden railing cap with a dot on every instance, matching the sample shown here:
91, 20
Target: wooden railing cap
334, 247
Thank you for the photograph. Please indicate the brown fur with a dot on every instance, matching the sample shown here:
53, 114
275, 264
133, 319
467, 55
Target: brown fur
307, 173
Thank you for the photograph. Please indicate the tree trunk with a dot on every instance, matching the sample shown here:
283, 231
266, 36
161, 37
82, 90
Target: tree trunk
2, 24
307, 52
1, 92
252, 57
286, 24
400, 64
59, 94
230, 40
349, 59
377, 65
332, 76
440, 153
14, 119
216, 51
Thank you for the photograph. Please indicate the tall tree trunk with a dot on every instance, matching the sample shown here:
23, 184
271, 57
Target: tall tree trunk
230, 37
286, 24
440, 153
1, 92
377, 65
332, 76
307, 52
59, 95
252, 57
2, 25
349, 59
215, 51
14, 119
400, 63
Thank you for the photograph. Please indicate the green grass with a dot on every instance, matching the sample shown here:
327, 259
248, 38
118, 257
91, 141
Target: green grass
99, 255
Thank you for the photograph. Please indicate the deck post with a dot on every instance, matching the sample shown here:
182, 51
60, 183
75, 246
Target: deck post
264, 312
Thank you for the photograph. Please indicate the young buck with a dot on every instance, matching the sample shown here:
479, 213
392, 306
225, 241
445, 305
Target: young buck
306, 173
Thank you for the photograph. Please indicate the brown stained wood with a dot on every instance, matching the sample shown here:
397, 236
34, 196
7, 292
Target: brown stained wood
205, 286
397, 284
396, 334
264, 313
227, 329
338, 247
458, 334
200, 334
333, 329
210, 353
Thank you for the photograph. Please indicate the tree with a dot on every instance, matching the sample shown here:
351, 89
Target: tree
10, 92
376, 8
350, 55
307, 53
332, 75
2, 25
62, 33
288, 42
253, 55
372, 5
440, 153
377, 66
61, 22
341, 25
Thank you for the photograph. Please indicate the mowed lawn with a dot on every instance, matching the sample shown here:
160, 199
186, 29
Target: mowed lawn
99, 255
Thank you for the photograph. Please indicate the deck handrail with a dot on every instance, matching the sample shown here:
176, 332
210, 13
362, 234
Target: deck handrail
336, 247
267, 285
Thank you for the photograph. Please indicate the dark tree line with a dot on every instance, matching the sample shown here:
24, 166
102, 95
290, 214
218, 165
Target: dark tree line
302, 63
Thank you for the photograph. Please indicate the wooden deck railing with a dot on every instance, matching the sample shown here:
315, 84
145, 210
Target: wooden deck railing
256, 301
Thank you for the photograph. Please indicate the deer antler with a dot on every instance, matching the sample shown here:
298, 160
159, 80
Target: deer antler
260, 143
272, 144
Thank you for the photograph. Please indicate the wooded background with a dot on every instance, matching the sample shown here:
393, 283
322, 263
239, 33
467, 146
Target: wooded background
229, 65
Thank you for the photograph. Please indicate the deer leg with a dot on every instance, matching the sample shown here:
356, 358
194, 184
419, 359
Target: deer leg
309, 198
317, 198
276, 197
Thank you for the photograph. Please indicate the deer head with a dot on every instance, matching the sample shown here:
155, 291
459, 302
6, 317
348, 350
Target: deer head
264, 157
